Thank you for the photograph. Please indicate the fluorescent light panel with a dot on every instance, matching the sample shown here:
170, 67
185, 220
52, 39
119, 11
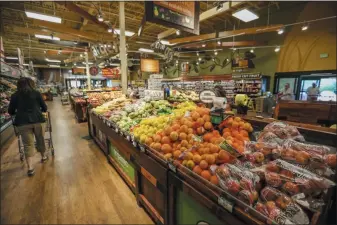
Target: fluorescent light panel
245, 15
145, 50
81, 67
9, 57
127, 33
47, 37
53, 60
39, 16
54, 65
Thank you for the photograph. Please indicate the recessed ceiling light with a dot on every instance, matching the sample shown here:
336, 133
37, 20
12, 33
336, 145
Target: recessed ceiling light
187, 62
252, 50
53, 60
203, 45
199, 59
81, 55
100, 18
127, 33
110, 29
197, 63
9, 57
145, 50
219, 42
215, 53
245, 15
39, 16
277, 49
197, 53
54, 65
177, 32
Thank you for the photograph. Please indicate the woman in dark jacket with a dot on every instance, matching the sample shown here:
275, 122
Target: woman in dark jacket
27, 105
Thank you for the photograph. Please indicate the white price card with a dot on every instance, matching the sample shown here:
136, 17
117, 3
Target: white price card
134, 143
128, 137
116, 130
225, 204
154, 94
142, 149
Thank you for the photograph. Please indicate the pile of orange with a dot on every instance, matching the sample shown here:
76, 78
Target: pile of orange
236, 132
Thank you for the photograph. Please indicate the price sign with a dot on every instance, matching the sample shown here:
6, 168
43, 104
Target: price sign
154, 94
142, 149
172, 167
116, 130
134, 143
207, 96
225, 204
128, 137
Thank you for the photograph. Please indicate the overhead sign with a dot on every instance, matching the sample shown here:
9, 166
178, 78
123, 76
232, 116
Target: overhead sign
154, 94
112, 73
93, 70
149, 65
182, 15
165, 50
246, 76
207, 96
78, 71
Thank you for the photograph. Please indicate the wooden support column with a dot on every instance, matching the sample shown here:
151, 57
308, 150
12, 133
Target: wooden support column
88, 73
122, 50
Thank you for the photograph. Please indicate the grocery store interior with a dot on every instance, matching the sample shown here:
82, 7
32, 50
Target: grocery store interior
171, 112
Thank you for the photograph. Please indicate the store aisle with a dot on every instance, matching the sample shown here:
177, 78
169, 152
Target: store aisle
76, 186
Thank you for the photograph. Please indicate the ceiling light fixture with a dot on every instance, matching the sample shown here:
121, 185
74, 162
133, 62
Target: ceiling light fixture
54, 66
199, 59
177, 61
110, 29
277, 49
100, 17
215, 52
245, 15
203, 45
39, 16
53, 60
44, 51
197, 63
127, 33
9, 57
145, 50
89, 63
51, 37
305, 27
219, 42
252, 50
187, 62
280, 31
197, 53
177, 32
74, 64
81, 55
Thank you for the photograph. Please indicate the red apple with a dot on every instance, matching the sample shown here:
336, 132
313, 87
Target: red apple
273, 179
291, 188
259, 157
233, 186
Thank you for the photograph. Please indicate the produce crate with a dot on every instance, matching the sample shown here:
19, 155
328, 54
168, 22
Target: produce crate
153, 186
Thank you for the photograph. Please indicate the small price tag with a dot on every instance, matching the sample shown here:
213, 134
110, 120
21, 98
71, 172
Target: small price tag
128, 137
225, 204
142, 149
134, 143
116, 130
172, 167
132, 138
121, 133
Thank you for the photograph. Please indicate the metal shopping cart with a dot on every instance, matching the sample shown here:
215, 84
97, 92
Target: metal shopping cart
65, 98
48, 137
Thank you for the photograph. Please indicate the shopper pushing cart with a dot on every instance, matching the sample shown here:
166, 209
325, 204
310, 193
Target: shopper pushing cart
28, 106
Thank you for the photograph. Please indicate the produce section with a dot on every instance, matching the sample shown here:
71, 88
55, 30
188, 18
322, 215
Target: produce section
235, 158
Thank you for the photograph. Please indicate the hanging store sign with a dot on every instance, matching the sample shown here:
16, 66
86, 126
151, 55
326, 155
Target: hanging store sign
178, 14
112, 73
103, 50
93, 70
149, 65
78, 71
163, 49
154, 94
246, 76
207, 96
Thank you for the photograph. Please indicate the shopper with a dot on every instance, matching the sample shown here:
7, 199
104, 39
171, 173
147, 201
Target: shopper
312, 92
27, 105
286, 93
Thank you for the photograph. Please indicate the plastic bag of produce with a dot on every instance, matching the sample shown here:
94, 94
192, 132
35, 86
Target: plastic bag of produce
292, 179
270, 137
273, 213
284, 131
274, 199
257, 152
238, 182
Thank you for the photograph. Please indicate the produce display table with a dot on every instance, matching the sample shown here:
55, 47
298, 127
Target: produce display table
47, 96
173, 194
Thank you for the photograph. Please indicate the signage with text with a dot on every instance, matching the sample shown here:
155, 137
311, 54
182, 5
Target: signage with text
113, 73
149, 65
246, 76
207, 96
154, 94
182, 15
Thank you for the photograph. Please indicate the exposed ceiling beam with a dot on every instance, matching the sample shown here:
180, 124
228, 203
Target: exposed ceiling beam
84, 14
226, 44
224, 34
63, 29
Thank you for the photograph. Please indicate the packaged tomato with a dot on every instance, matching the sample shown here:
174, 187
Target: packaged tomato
284, 131
274, 198
272, 214
257, 152
292, 179
238, 182
313, 150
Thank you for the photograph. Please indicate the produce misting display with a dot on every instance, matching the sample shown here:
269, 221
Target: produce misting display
273, 171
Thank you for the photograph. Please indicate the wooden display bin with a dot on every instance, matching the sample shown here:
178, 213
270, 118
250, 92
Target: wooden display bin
98, 133
153, 186
80, 112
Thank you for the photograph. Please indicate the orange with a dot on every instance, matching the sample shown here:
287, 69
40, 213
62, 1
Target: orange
206, 174
214, 180
203, 164
244, 133
226, 134
197, 170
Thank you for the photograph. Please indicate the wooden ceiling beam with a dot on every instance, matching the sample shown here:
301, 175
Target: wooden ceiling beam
226, 44
203, 37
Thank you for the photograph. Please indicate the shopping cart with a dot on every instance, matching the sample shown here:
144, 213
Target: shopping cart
65, 98
48, 137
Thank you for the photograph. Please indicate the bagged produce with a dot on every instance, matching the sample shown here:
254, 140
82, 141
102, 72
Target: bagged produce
273, 213
257, 152
238, 182
292, 179
284, 131
269, 137
274, 199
